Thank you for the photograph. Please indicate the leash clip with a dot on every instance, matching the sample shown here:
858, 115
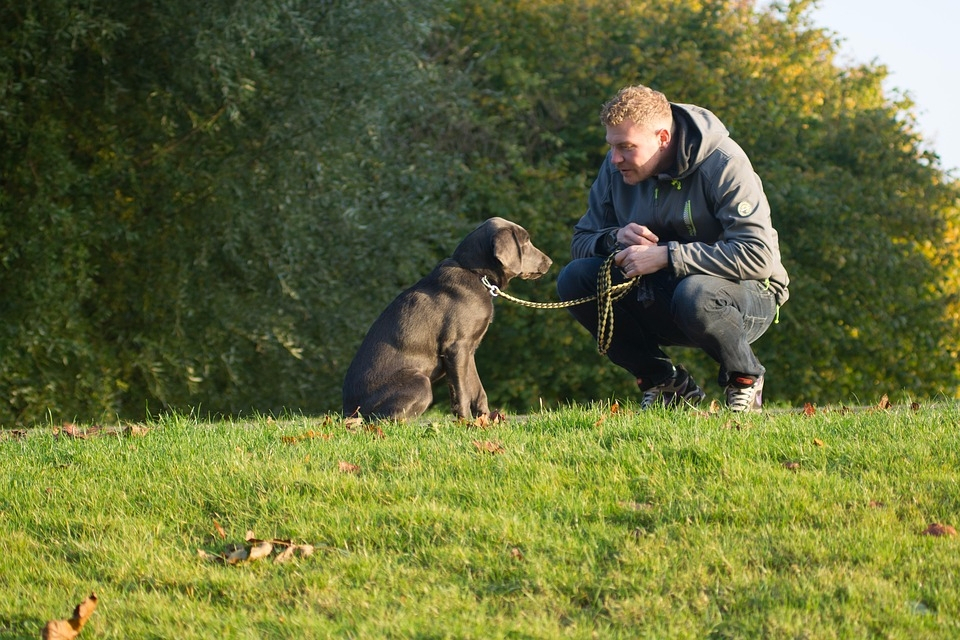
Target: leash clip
494, 289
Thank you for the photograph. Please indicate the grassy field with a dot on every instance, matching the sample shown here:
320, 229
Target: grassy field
579, 523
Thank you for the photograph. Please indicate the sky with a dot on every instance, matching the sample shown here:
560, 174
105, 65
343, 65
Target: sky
919, 43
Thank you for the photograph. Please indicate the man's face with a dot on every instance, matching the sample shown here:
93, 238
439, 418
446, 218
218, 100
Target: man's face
635, 149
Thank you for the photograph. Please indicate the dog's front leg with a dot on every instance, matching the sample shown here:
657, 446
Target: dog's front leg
467, 396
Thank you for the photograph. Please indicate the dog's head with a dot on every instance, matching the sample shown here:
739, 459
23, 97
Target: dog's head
502, 250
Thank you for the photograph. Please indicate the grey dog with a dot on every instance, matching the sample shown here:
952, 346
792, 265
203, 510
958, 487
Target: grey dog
433, 329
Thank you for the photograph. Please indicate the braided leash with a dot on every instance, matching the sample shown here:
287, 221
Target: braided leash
607, 294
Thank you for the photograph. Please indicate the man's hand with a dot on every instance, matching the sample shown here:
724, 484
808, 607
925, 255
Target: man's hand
642, 255
640, 260
636, 234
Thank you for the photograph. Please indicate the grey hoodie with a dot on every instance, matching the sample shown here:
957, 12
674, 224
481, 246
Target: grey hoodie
710, 210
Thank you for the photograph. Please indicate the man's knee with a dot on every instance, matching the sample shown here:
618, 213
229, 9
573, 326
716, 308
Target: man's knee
697, 295
578, 278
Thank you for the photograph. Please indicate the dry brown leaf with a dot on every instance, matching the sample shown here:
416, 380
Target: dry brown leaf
236, 555
600, 420
307, 435
915, 406
286, 555
303, 550
488, 447
516, 554
481, 421
219, 530
375, 430
352, 423
809, 409
875, 504
347, 467
69, 629
259, 551
937, 529
135, 430
714, 406
817, 442
615, 408
791, 465
497, 417
210, 557
72, 430
884, 403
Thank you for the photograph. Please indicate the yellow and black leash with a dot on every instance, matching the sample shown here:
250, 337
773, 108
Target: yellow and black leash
607, 294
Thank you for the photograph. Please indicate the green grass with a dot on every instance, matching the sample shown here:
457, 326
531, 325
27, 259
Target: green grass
587, 524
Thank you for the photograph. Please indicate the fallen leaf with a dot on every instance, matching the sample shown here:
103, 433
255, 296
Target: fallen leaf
488, 446
285, 556
715, 406
375, 430
481, 421
791, 465
600, 420
516, 554
497, 417
308, 435
937, 529
818, 442
808, 409
615, 408
73, 431
69, 629
219, 530
237, 554
347, 467
135, 430
875, 504
210, 557
261, 550
915, 406
884, 403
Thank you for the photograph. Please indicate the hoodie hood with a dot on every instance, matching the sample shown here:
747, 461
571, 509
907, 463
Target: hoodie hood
699, 132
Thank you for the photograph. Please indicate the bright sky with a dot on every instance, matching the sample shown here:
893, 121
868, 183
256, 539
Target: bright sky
919, 43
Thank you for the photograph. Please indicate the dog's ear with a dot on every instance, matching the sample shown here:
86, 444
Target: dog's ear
508, 243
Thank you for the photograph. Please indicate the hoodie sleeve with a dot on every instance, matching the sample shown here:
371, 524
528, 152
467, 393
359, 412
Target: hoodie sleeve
600, 217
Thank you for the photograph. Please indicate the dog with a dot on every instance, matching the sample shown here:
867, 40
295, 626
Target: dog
433, 329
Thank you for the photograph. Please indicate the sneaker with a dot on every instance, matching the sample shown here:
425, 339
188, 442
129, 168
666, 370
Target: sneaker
745, 393
674, 391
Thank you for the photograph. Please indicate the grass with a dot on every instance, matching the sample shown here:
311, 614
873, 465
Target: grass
581, 523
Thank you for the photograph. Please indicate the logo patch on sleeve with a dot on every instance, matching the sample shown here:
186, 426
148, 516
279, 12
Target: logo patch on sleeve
744, 209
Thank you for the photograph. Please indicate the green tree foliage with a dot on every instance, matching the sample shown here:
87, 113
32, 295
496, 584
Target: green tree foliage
194, 195
861, 208
206, 205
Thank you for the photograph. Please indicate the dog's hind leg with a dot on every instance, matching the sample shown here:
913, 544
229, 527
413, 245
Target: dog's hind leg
407, 394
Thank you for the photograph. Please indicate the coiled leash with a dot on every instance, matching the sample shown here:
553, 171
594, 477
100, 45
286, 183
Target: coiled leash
607, 294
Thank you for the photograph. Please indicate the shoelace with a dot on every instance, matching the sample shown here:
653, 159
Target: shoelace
741, 399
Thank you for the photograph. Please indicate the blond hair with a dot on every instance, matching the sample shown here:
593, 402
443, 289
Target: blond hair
642, 105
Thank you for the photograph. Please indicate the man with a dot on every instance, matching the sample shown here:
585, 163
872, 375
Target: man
679, 204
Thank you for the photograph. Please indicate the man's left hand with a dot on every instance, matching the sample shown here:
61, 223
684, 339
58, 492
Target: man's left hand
641, 260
